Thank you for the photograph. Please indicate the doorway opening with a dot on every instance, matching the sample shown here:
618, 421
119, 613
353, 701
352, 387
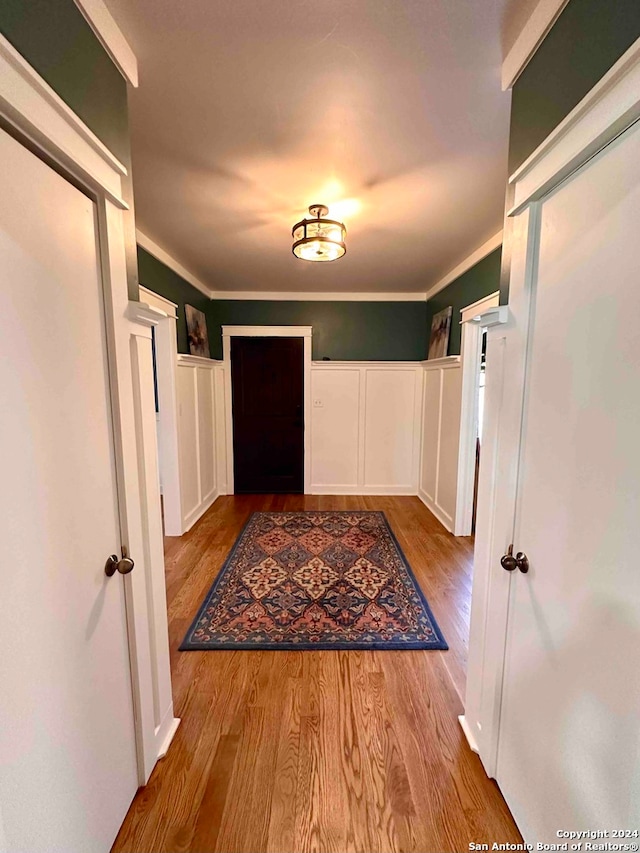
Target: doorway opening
267, 375
267, 385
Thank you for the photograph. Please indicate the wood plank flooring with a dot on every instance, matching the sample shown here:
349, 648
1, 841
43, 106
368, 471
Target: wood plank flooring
343, 752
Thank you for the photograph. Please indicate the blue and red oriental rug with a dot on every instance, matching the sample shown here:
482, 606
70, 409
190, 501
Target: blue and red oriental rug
315, 580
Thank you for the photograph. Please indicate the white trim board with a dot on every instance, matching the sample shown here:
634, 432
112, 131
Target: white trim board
29, 103
267, 332
303, 332
445, 361
531, 37
609, 108
110, 37
470, 261
164, 257
292, 296
154, 300
470, 364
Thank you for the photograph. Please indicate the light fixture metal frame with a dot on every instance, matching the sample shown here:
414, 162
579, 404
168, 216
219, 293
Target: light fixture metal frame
319, 211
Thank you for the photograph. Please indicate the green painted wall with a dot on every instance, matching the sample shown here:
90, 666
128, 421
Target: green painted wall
55, 39
349, 331
586, 40
481, 280
155, 276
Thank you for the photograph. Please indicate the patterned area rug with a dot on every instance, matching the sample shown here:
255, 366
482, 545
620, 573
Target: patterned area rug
315, 580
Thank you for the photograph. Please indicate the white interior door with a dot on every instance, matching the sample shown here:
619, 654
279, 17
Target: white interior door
569, 746
67, 748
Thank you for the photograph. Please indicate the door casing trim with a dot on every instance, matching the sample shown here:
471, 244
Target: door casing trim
305, 332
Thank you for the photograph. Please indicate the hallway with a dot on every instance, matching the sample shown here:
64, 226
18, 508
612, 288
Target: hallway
319, 751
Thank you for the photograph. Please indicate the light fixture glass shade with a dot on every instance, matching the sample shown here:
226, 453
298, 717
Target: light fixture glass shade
319, 239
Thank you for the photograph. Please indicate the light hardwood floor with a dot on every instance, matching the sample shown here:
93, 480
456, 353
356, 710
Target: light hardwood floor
288, 752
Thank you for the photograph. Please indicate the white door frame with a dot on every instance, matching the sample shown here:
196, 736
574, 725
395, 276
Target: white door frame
605, 112
472, 330
166, 339
305, 332
36, 112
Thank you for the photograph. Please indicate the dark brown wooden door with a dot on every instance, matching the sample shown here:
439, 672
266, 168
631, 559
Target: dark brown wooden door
267, 381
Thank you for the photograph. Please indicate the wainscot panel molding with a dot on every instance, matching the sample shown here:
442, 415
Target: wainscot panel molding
200, 402
442, 397
365, 427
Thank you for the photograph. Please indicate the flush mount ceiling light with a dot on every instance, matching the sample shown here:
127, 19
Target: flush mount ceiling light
318, 239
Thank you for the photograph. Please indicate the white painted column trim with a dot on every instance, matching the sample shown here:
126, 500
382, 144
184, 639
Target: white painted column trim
470, 364
159, 690
229, 332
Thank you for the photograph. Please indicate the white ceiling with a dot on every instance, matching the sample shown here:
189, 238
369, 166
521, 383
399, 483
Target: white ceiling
389, 111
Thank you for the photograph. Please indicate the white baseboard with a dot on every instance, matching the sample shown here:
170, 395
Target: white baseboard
166, 743
363, 490
199, 511
468, 734
442, 516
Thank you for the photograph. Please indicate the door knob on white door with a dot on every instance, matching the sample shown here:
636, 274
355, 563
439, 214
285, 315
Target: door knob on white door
123, 565
510, 563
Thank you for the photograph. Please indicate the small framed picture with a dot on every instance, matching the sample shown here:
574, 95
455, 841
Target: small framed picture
439, 338
197, 332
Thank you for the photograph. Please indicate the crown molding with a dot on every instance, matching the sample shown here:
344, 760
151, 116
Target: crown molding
301, 296
111, 37
490, 246
531, 37
164, 257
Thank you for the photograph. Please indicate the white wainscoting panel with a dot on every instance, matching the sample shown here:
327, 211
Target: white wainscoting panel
365, 427
390, 429
198, 437
335, 401
441, 437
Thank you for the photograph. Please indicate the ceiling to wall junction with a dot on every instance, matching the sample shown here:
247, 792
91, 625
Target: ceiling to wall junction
389, 111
